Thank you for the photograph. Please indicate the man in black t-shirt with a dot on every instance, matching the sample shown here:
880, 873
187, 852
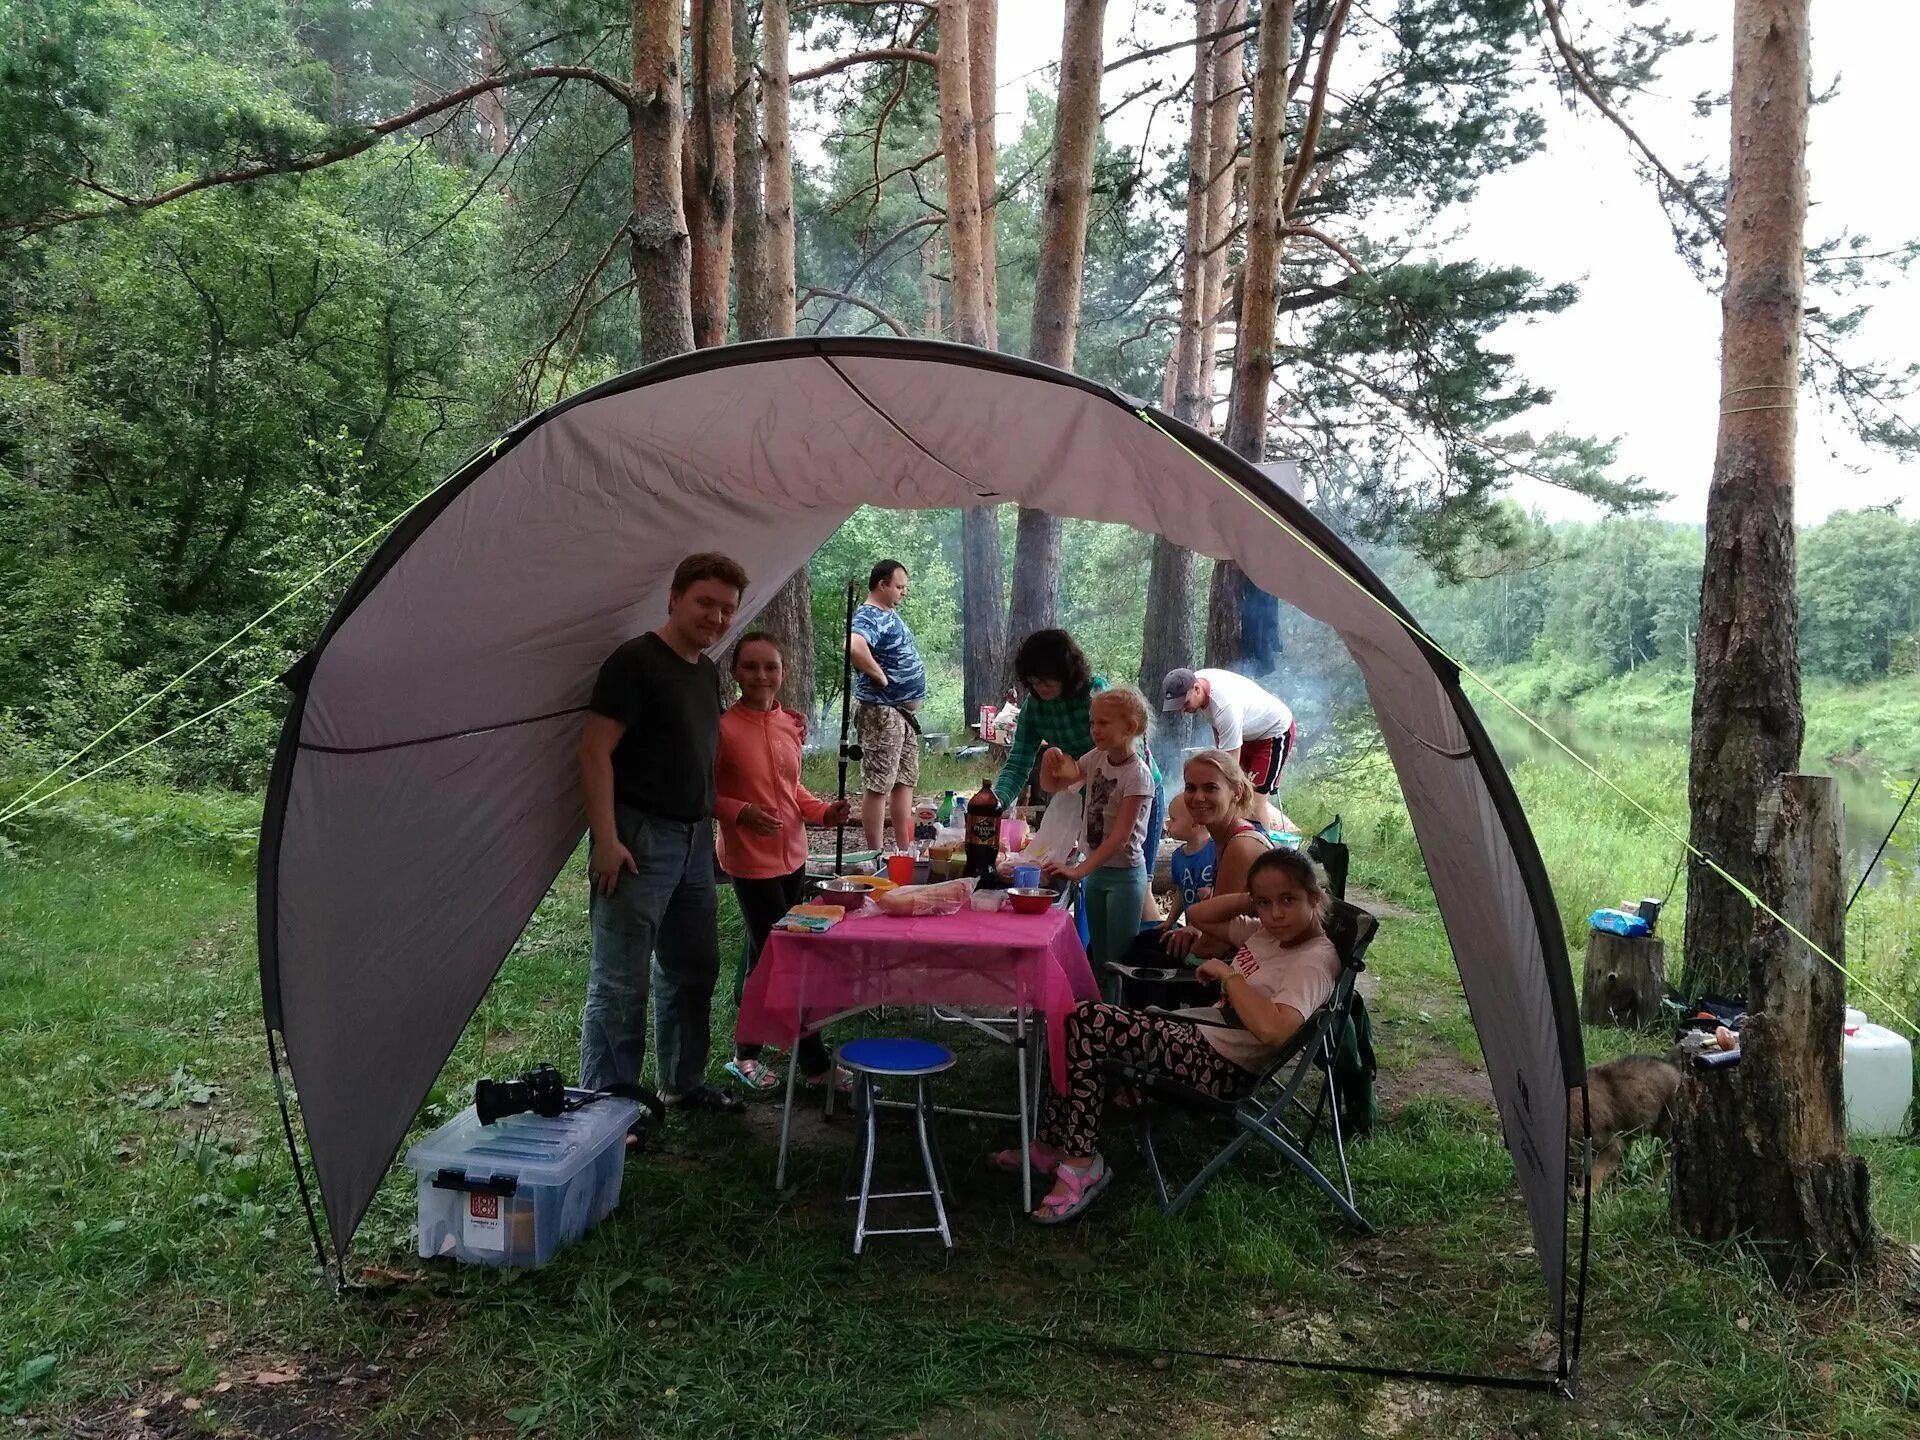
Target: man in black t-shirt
646, 774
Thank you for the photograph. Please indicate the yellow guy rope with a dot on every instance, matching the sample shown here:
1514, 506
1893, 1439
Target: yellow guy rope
27, 800
1739, 886
144, 745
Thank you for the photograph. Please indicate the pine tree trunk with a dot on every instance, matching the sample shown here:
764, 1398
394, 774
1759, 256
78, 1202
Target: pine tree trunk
1760, 1149
1063, 216
1167, 643
957, 143
1747, 721
764, 290
1167, 637
658, 229
707, 168
1253, 330
1036, 576
492, 106
1229, 80
983, 612
1056, 291
752, 305
932, 289
776, 94
983, 44
1190, 399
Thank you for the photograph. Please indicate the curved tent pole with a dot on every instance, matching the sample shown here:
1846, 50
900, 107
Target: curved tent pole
1255, 487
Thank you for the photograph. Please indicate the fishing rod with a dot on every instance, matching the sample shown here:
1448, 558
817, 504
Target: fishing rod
847, 752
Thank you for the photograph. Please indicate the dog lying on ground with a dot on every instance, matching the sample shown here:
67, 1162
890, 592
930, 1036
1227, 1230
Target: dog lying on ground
1624, 1098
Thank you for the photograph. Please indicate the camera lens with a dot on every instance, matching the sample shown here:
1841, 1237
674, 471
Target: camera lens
541, 1090
496, 1099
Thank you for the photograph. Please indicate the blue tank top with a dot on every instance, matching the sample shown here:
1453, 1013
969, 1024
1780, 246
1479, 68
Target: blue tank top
1193, 872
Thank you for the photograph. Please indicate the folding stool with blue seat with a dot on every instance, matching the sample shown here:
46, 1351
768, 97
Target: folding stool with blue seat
871, 1060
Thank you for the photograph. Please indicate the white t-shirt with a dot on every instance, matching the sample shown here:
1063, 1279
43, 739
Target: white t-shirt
1107, 784
1241, 711
1301, 976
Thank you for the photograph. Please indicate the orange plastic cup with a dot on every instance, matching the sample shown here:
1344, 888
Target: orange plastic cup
900, 869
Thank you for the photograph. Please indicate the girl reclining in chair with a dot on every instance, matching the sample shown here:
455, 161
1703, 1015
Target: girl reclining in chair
1282, 971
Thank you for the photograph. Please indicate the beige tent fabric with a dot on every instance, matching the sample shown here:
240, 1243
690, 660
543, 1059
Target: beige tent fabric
424, 795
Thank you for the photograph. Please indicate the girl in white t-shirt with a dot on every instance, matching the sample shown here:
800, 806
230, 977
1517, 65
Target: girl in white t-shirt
1283, 971
1119, 789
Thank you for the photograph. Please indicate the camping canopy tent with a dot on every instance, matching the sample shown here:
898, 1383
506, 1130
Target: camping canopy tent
424, 797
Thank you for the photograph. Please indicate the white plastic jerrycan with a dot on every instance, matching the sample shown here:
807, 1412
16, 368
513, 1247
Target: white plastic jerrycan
1876, 1073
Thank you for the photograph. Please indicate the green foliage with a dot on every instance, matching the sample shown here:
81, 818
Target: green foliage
1580, 603
1859, 594
218, 397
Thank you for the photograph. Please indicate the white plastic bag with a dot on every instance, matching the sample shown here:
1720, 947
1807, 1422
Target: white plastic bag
1059, 830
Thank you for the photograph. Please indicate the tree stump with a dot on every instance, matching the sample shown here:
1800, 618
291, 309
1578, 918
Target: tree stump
1760, 1148
1626, 976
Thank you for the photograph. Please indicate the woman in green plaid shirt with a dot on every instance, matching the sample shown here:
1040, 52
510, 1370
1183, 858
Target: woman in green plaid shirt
1060, 690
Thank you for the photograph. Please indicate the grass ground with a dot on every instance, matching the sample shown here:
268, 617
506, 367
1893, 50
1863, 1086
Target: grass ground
156, 1277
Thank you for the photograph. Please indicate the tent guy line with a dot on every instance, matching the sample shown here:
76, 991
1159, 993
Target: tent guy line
27, 799
1700, 856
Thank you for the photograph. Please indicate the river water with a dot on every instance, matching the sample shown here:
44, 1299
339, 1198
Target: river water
1870, 804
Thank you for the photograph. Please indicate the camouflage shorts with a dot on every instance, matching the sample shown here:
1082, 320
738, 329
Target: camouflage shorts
889, 748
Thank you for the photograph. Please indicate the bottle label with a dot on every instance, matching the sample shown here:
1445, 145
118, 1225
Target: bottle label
983, 828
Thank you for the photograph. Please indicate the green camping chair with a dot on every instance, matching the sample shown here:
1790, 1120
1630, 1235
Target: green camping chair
1327, 851
1272, 1112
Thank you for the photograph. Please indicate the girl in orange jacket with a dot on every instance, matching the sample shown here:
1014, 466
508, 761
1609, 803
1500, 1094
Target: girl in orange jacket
763, 811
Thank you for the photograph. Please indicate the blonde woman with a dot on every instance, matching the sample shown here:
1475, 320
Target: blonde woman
1221, 800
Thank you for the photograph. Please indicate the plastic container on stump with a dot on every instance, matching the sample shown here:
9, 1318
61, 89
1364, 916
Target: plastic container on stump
514, 1192
1876, 1074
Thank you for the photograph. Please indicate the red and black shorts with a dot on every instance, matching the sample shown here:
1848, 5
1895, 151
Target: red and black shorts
1263, 760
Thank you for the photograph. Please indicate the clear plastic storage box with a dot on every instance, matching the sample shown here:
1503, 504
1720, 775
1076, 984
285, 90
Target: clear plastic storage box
514, 1192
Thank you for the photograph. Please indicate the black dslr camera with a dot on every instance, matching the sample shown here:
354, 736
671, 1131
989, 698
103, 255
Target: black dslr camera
541, 1090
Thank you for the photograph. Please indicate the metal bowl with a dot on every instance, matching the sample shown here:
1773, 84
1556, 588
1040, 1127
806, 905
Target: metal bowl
844, 891
1031, 900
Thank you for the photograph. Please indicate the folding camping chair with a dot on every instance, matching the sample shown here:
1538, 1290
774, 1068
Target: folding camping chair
1271, 1112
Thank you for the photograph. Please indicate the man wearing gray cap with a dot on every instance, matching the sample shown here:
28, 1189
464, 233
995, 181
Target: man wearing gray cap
1248, 723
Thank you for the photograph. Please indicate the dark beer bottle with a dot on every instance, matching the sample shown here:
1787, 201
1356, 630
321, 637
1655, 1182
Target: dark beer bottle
983, 832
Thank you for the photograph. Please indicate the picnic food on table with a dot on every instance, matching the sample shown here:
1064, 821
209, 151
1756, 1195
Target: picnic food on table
941, 899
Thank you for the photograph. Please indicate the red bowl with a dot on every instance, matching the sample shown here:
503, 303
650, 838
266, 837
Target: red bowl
1030, 901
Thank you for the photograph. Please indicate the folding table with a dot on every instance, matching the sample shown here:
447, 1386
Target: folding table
1024, 963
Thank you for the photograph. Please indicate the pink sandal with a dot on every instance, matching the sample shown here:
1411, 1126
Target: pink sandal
1009, 1160
1084, 1184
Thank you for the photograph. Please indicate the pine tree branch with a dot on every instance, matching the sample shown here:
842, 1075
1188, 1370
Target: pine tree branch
938, 217
1583, 80
365, 141
1316, 115
867, 4
1187, 44
841, 297
1310, 233
862, 57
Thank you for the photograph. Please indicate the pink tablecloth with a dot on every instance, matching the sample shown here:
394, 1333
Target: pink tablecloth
969, 958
